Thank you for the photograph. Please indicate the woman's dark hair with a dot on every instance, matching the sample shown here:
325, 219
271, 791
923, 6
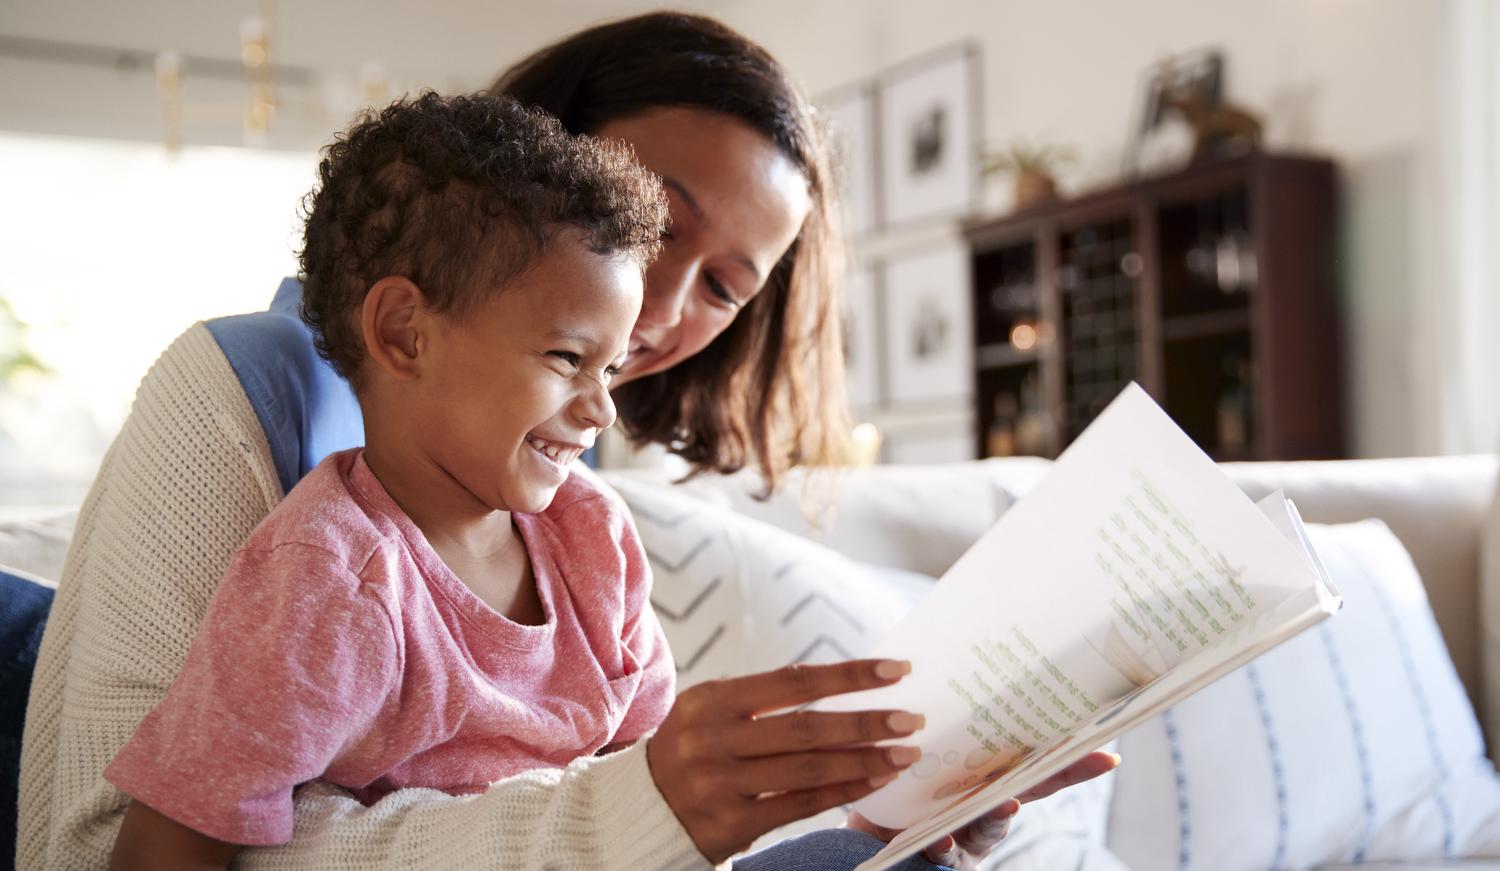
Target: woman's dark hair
770, 388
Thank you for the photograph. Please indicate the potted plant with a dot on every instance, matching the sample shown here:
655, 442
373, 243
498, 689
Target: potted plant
1033, 166
15, 359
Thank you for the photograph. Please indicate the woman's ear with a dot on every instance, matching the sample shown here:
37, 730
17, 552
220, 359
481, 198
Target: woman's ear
393, 322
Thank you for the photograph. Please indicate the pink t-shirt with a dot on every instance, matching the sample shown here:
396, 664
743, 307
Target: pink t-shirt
339, 646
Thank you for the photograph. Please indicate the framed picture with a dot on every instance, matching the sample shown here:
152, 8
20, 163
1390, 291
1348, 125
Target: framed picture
929, 137
862, 340
851, 127
928, 326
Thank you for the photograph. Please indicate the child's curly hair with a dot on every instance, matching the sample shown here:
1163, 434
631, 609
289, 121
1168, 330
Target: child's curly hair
460, 195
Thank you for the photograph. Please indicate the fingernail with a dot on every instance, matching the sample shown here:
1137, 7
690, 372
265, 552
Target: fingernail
903, 756
1115, 757
905, 723
882, 780
1010, 808
890, 669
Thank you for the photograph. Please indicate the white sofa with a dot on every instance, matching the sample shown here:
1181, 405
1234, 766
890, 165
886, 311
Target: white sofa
907, 524
919, 519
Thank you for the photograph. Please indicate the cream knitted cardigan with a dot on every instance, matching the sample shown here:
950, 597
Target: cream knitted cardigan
186, 480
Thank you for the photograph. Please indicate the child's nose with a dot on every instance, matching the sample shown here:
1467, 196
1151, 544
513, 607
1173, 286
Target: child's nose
595, 407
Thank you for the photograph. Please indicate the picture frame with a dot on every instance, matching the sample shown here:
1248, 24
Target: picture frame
929, 132
928, 326
862, 347
853, 135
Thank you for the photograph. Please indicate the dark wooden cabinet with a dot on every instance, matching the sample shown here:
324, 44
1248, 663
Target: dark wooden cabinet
1214, 287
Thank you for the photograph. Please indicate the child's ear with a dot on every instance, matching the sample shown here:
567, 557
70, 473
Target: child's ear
393, 322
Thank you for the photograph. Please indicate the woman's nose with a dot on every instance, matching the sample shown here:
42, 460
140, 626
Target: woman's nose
668, 282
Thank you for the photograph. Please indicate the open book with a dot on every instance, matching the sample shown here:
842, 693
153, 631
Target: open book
1134, 574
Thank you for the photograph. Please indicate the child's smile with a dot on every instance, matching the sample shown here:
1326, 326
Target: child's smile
557, 454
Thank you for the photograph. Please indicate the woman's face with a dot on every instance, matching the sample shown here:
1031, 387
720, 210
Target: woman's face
736, 202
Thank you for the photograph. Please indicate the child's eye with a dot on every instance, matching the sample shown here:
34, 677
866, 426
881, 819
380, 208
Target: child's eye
568, 357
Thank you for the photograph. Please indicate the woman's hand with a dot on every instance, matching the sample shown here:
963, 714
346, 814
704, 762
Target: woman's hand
964, 849
731, 770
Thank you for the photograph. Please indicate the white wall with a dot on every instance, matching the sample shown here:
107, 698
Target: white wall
1386, 87
1363, 81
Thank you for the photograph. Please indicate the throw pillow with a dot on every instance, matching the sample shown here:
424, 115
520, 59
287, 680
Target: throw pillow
24, 603
1489, 621
37, 547
737, 596
918, 518
1354, 742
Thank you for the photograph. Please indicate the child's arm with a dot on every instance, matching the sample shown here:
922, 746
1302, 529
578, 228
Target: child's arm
293, 661
150, 840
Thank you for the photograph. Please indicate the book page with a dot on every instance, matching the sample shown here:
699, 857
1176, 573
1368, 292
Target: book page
1299, 613
1133, 555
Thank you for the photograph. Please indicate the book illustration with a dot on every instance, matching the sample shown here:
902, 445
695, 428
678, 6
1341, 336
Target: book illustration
1117, 651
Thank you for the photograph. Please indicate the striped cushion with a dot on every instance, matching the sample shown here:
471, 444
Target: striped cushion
1354, 742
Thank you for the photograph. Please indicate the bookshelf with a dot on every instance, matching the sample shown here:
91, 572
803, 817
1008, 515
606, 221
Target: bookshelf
1212, 286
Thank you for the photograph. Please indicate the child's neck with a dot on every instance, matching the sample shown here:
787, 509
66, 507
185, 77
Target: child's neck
435, 502
478, 544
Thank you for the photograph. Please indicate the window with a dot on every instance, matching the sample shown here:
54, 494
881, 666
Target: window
109, 250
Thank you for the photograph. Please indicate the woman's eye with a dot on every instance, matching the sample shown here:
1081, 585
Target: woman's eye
717, 289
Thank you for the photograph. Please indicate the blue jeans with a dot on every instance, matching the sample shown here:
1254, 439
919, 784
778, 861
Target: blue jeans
825, 850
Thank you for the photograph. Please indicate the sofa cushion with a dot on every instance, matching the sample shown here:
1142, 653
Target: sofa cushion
37, 547
1489, 619
1353, 742
25, 601
917, 518
737, 596
1455, 865
1436, 506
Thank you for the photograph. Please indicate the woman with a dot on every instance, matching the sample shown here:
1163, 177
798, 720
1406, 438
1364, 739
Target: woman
735, 361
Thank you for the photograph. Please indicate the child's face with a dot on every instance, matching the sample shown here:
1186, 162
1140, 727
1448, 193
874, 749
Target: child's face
515, 390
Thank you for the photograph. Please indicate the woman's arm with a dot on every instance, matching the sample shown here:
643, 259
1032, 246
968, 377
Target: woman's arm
149, 840
181, 488
598, 814
183, 485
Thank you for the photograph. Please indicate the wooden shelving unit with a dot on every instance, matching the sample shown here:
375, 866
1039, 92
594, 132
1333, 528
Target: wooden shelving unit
1213, 287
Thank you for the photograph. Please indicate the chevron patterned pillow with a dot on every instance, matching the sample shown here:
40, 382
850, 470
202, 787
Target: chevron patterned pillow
738, 596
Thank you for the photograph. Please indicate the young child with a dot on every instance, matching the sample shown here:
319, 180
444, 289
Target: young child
448, 605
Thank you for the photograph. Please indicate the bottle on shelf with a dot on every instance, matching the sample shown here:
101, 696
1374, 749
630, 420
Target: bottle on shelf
1234, 413
1034, 428
1000, 441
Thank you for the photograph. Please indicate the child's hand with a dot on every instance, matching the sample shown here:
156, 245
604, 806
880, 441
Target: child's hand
149, 840
731, 775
